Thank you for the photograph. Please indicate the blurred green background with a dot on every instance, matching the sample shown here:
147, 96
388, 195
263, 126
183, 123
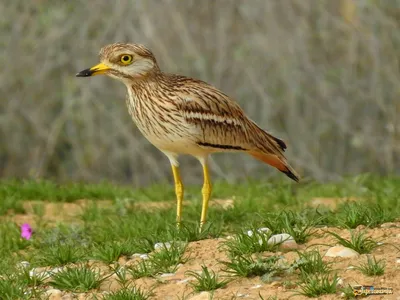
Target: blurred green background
321, 74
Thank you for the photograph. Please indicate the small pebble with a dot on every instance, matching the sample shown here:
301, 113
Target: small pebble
186, 280
351, 267
388, 225
398, 260
286, 240
339, 282
23, 264
167, 274
260, 230
136, 255
201, 296
256, 286
56, 270
144, 256
158, 246
53, 294
340, 251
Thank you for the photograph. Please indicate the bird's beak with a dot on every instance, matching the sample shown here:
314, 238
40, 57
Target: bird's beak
96, 70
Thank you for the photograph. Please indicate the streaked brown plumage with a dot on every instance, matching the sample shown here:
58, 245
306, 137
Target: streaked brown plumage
182, 115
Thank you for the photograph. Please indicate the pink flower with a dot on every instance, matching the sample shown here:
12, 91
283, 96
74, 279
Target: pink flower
26, 231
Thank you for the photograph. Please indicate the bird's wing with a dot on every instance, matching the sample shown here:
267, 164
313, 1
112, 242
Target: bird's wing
221, 121
224, 126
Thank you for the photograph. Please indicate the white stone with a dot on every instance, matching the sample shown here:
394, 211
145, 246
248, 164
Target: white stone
136, 255
285, 240
340, 251
202, 296
339, 282
23, 264
389, 225
279, 238
167, 274
260, 230
186, 280
56, 270
53, 294
160, 246
144, 256
256, 286
351, 267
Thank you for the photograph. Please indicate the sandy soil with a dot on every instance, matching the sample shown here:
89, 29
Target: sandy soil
208, 252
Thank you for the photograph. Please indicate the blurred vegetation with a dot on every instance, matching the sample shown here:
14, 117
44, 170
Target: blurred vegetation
323, 75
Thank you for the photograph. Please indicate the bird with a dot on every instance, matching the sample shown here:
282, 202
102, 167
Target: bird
181, 115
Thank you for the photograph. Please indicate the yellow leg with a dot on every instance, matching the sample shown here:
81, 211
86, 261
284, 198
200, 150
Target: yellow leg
179, 194
206, 191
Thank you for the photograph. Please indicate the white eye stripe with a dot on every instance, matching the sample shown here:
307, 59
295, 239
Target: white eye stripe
212, 117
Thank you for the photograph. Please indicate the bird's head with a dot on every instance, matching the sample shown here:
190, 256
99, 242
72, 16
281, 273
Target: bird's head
123, 61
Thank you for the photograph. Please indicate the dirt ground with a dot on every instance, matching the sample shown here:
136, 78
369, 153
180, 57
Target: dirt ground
207, 252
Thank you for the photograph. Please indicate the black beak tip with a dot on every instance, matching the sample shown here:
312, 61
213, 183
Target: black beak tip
84, 73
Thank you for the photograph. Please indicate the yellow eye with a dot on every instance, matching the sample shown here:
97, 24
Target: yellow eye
126, 59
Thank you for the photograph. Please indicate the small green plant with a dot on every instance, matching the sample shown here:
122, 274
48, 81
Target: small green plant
142, 268
348, 292
78, 279
120, 272
318, 284
246, 266
167, 258
32, 279
137, 245
108, 252
58, 254
132, 293
352, 214
250, 242
190, 232
310, 263
358, 242
299, 225
12, 289
372, 267
206, 280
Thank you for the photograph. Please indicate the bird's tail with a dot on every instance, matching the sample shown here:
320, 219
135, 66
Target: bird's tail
278, 162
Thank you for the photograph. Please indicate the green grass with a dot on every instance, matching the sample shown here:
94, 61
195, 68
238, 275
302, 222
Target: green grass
108, 252
300, 225
243, 243
353, 214
167, 259
76, 279
108, 232
18, 287
372, 267
142, 268
163, 260
58, 254
206, 281
310, 263
316, 285
246, 266
131, 293
358, 241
